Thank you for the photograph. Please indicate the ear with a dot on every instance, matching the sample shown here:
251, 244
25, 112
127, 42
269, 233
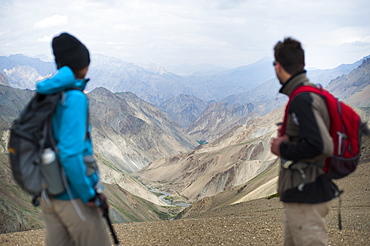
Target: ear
81, 73
278, 67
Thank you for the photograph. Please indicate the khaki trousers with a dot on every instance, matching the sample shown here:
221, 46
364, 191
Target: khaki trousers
64, 227
305, 224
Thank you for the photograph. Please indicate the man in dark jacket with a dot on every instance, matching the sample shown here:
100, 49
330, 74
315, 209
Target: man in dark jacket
303, 145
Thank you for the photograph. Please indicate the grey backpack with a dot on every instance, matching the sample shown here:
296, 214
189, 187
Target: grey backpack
32, 150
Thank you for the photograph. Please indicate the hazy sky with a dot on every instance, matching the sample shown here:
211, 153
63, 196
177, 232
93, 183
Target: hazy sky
229, 33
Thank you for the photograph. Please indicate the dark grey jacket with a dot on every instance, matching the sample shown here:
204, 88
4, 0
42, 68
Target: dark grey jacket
309, 145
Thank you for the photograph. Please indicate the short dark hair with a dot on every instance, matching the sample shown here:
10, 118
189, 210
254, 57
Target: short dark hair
290, 55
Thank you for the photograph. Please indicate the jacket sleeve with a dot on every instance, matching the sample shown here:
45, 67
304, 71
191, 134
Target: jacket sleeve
71, 144
314, 139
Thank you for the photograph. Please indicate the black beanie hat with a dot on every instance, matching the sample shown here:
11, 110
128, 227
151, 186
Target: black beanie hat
69, 51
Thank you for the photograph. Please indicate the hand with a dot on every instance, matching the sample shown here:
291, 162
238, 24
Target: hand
99, 201
275, 144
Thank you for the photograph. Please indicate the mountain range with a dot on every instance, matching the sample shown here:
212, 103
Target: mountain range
251, 86
145, 125
242, 154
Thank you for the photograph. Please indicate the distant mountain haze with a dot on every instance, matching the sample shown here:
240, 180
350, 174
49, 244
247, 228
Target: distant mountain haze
184, 109
23, 72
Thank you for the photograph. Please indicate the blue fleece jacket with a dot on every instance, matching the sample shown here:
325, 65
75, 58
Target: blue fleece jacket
69, 129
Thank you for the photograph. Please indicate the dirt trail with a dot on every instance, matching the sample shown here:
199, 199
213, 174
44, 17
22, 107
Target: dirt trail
258, 222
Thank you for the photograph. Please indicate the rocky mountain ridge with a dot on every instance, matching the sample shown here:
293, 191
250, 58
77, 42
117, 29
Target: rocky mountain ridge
218, 118
132, 133
355, 87
3, 80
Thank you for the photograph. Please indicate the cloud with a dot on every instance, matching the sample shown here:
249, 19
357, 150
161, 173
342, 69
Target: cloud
166, 32
45, 39
360, 44
55, 20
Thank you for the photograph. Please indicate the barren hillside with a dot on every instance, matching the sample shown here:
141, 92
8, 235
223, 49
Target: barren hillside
231, 160
257, 222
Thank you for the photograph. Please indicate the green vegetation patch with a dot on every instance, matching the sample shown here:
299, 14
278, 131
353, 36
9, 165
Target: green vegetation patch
273, 196
126, 213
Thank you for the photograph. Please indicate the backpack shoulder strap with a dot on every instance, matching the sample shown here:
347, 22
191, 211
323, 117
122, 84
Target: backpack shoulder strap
307, 88
299, 90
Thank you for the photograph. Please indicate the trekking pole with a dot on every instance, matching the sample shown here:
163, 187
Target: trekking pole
340, 214
106, 215
101, 202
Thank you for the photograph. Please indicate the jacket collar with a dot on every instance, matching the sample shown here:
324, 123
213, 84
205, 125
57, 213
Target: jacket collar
294, 81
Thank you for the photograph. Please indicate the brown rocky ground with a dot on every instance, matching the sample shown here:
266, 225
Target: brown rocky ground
258, 222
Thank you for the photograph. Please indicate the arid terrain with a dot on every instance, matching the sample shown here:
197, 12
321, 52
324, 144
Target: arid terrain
258, 222
146, 159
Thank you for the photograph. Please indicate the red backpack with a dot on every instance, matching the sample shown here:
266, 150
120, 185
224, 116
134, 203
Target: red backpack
345, 131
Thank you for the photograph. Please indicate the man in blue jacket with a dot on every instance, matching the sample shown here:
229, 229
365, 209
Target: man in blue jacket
71, 217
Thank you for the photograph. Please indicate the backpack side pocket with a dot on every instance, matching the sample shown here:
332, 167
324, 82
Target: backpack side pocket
52, 172
90, 163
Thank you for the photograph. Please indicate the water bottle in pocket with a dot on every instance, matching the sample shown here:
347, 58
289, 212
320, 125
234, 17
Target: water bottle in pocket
52, 172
